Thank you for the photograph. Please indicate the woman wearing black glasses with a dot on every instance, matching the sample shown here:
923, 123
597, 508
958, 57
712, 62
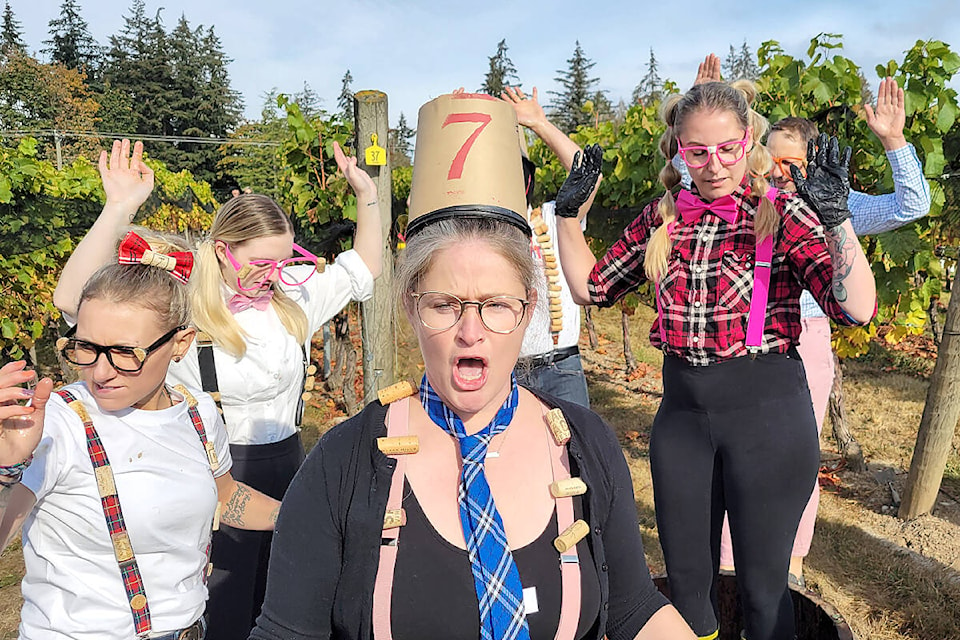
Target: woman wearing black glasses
116, 478
728, 260
258, 298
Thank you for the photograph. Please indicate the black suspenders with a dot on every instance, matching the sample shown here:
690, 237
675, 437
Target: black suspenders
208, 374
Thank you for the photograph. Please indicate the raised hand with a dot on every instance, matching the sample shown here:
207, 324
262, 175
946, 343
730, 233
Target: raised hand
827, 184
361, 183
21, 427
127, 180
580, 183
889, 117
529, 112
709, 70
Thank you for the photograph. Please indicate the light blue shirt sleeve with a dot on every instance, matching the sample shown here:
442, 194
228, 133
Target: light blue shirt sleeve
909, 201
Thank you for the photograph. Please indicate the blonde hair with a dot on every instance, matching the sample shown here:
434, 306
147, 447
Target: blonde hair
735, 98
504, 238
146, 286
243, 218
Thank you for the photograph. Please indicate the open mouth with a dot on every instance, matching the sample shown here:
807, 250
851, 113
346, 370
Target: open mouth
470, 372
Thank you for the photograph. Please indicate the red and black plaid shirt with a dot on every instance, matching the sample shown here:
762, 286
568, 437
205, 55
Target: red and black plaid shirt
705, 293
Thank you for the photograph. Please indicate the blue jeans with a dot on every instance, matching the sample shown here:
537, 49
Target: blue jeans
563, 379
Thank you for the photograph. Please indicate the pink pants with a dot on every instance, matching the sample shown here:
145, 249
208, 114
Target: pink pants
817, 356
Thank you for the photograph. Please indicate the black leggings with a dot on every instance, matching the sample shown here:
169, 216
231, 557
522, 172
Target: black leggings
738, 436
239, 579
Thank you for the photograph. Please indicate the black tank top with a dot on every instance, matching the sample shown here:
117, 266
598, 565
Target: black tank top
433, 590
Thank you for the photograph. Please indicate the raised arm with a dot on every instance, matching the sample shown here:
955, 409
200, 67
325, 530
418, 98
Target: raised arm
531, 115
21, 427
127, 183
368, 241
910, 199
825, 188
575, 255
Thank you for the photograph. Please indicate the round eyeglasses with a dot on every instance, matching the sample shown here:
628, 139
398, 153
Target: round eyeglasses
121, 358
440, 311
728, 153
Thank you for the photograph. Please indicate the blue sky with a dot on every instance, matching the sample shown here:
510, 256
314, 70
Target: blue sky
418, 49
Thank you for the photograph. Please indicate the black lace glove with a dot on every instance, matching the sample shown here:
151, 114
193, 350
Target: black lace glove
827, 183
580, 183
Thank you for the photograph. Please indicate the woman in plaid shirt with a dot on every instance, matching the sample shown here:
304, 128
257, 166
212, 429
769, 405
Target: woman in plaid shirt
735, 430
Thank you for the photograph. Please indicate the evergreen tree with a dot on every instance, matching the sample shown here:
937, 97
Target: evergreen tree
650, 87
400, 143
603, 110
501, 74
740, 64
11, 34
567, 108
345, 101
310, 103
70, 41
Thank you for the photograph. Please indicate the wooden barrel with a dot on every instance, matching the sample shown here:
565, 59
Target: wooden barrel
815, 619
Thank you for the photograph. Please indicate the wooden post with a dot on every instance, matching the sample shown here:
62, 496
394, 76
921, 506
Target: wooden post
377, 326
939, 422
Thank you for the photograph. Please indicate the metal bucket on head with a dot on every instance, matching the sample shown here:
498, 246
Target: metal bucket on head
815, 619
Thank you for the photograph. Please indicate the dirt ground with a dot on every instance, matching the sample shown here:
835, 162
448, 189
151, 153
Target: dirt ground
889, 579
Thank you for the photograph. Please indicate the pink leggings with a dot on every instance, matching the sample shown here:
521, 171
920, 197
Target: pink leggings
817, 356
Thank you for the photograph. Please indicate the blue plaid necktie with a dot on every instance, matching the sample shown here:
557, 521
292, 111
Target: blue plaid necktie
495, 575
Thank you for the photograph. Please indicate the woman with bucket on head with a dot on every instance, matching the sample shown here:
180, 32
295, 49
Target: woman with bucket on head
119, 479
728, 260
467, 507
258, 297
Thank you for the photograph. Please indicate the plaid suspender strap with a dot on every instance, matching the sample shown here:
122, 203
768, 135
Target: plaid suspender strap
110, 502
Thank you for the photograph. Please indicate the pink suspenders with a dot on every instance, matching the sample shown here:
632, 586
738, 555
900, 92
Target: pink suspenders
399, 444
762, 266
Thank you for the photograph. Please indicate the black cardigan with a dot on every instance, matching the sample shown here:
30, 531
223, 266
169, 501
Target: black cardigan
326, 546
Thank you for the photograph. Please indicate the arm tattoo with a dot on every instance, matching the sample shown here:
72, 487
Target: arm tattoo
275, 514
842, 254
234, 509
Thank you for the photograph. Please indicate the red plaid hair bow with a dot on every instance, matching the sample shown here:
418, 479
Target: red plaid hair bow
135, 250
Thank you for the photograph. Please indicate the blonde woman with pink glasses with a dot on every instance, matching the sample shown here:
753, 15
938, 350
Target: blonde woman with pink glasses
257, 297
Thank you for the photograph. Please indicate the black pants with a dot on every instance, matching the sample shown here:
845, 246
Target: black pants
740, 436
239, 579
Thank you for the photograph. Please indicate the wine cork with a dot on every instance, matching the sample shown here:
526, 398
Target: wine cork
568, 487
216, 517
399, 445
122, 548
105, 484
558, 426
321, 265
394, 518
552, 272
571, 536
306, 395
553, 287
556, 315
541, 229
312, 370
395, 392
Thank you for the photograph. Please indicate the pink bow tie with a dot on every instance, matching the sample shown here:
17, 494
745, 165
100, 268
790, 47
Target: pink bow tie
240, 302
691, 207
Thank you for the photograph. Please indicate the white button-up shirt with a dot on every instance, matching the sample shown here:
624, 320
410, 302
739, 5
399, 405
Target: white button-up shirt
260, 391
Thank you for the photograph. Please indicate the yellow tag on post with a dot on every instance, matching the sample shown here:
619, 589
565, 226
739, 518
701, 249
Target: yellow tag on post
375, 154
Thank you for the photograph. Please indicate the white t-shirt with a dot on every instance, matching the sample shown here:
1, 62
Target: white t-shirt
260, 391
537, 339
72, 588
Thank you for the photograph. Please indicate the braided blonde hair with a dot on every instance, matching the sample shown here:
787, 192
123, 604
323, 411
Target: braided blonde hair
735, 98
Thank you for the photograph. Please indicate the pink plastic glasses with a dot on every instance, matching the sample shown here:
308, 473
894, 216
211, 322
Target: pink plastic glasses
252, 275
727, 153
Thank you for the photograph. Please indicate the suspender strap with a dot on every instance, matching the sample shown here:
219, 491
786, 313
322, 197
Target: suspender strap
570, 600
110, 503
762, 266
397, 425
208, 368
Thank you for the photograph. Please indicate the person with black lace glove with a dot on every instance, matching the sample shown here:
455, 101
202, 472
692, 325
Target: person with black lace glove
581, 181
827, 183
